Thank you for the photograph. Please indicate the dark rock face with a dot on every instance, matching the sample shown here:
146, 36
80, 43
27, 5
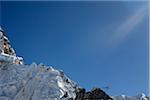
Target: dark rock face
94, 94
80, 93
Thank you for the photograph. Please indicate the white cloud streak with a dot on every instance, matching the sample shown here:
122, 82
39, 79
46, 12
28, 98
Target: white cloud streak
127, 26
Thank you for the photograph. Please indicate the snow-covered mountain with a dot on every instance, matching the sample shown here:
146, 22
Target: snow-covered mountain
141, 96
30, 82
34, 82
19, 81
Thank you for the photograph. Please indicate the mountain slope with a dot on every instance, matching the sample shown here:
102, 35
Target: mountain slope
34, 82
30, 82
138, 97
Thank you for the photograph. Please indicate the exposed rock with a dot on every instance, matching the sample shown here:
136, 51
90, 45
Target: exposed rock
94, 94
7, 53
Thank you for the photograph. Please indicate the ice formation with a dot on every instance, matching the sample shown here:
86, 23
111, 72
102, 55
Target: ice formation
34, 82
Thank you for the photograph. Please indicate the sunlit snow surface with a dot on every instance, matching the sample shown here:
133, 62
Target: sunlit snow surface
34, 82
138, 97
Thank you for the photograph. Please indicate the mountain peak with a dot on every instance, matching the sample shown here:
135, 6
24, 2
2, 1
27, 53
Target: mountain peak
141, 96
7, 53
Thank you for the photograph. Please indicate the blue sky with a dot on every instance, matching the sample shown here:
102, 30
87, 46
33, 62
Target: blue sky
97, 44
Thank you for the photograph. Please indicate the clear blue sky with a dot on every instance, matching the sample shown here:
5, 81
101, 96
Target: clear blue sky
95, 43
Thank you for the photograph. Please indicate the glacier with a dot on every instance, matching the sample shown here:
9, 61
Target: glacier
34, 82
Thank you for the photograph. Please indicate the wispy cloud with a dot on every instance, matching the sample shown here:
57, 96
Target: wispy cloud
127, 26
